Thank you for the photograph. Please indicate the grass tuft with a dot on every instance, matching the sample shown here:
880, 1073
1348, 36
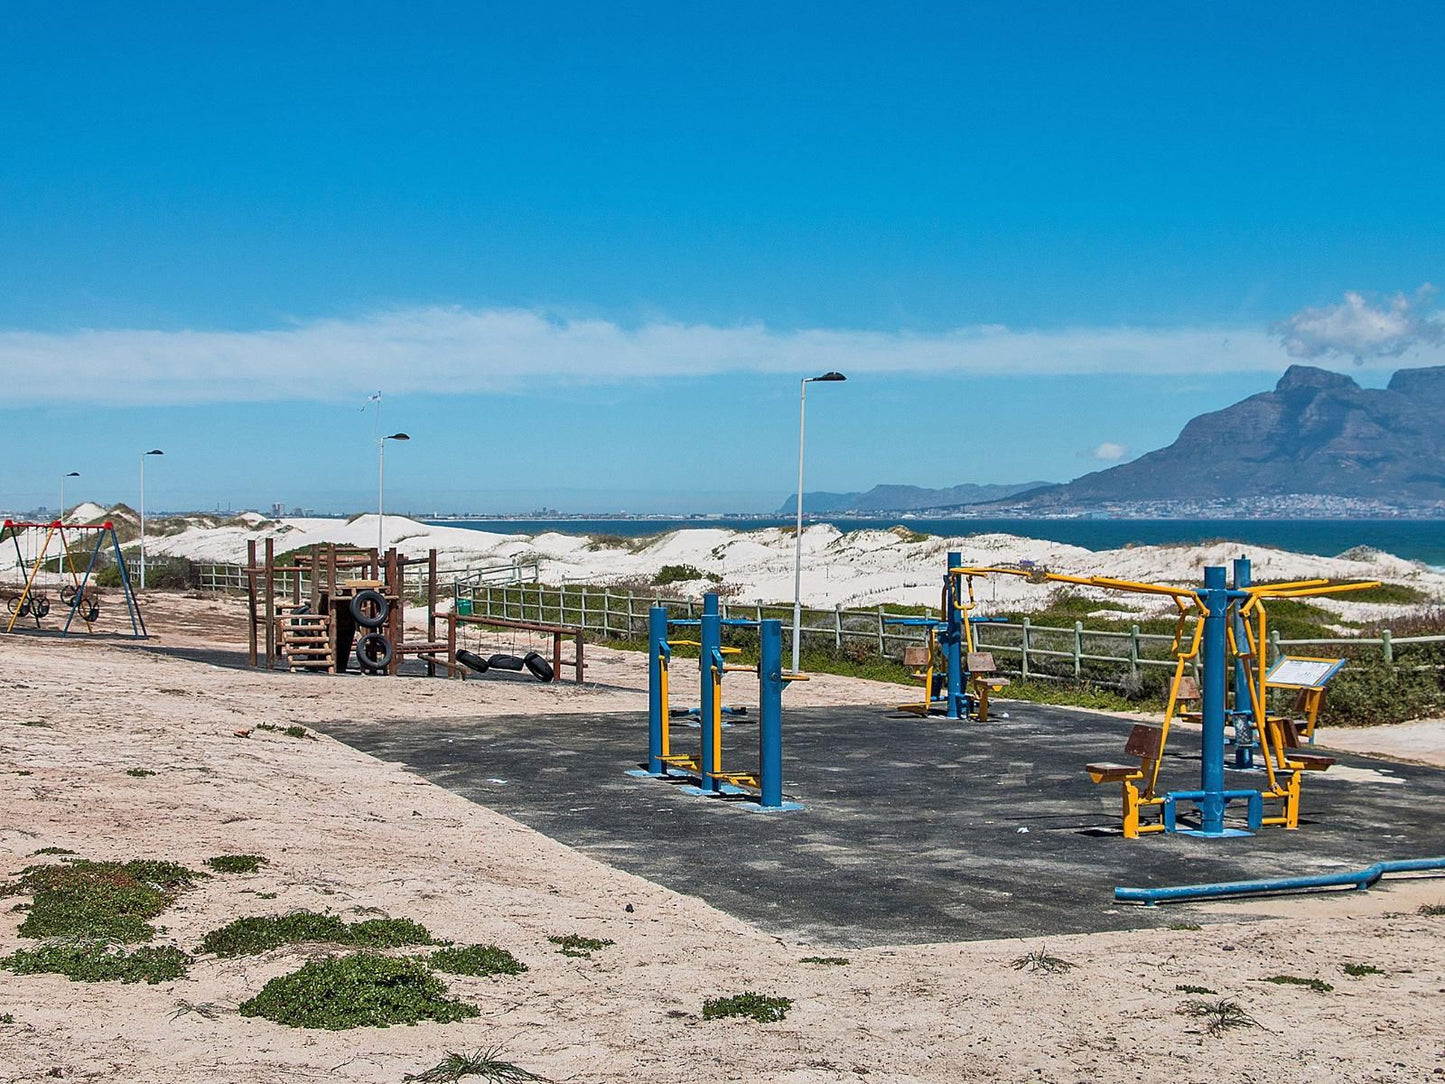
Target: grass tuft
364, 990
54, 850
1040, 960
574, 944
237, 863
97, 961
260, 933
1186, 988
288, 731
831, 961
108, 901
1433, 910
1319, 986
1218, 1016
1356, 971
487, 1064
476, 960
1190, 926
138, 773
760, 1007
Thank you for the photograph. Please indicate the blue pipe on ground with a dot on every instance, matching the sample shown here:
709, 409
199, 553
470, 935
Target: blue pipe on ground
1360, 879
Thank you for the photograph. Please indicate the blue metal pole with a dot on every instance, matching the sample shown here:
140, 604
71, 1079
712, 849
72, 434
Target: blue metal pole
1244, 736
1216, 648
1360, 879
709, 658
770, 720
656, 647
952, 640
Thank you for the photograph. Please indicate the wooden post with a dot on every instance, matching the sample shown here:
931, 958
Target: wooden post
315, 576
456, 670
631, 621
1078, 647
579, 657
838, 625
882, 644
1024, 654
397, 618
582, 622
1387, 647
431, 609
270, 590
1134, 650
556, 655
251, 600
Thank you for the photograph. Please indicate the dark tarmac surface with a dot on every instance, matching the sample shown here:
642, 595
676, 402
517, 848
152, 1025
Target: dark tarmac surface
914, 831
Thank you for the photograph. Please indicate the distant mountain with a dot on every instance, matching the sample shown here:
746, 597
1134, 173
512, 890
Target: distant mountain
903, 498
1317, 432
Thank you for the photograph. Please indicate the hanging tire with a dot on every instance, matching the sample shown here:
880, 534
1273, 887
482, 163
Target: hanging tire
41, 606
505, 662
67, 593
374, 652
89, 609
541, 669
472, 660
370, 608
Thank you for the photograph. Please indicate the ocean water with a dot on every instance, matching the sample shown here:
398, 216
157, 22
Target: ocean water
1415, 540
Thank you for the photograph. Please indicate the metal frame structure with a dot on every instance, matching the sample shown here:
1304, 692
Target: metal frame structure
103, 532
766, 783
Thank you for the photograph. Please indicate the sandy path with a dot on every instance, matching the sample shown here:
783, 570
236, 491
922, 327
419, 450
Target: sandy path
347, 833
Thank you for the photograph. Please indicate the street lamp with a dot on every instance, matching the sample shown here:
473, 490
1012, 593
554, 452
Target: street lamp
381, 487
826, 378
73, 474
153, 451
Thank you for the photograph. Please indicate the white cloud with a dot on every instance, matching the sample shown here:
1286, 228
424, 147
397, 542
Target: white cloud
1357, 329
1109, 452
475, 351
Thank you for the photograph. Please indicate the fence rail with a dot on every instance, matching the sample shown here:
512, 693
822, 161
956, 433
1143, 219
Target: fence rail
232, 577
1023, 648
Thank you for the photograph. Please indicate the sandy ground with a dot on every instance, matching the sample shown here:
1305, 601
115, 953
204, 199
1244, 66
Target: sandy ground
348, 834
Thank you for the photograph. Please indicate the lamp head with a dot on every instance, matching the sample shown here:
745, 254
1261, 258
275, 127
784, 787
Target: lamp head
73, 474
397, 436
826, 378
154, 451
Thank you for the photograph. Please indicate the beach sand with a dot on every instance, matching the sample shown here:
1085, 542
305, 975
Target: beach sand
349, 834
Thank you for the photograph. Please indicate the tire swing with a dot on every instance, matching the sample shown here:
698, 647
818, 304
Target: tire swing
472, 660
370, 608
374, 653
539, 667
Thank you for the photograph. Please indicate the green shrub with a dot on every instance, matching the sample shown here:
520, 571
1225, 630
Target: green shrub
574, 944
107, 900
760, 1007
676, 574
476, 960
96, 961
364, 990
261, 933
236, 863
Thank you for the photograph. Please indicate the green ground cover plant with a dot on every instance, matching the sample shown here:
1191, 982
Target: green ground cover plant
113, 901
1187, 988
237, 863
476, 960
828, 961
574, 944
138, 773
1356, 971
288, 731
1319, 986
98, 961
760, 1007
255, 934
363, 990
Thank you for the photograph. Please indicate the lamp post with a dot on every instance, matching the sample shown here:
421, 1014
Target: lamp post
73, 474
381, 488
153, 451
826, 378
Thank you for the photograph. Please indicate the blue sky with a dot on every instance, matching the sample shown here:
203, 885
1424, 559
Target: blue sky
587, 250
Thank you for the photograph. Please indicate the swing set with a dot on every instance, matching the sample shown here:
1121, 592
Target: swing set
76, 591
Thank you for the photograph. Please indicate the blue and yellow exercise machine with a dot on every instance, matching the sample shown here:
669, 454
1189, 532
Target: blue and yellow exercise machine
957, 678
706, 767
1222, 616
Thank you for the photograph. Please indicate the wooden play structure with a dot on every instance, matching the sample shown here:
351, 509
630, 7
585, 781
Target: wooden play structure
330, 604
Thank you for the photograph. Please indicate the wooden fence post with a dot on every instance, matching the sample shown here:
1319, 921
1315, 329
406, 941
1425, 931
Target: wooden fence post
1024, 652
1134, 650
838, 625
1078, 647
882, 643
1387, 647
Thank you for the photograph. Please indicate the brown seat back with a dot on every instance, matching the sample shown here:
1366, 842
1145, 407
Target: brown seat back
1289, 731
1188, 688
915, 656
1145, 742
981, 662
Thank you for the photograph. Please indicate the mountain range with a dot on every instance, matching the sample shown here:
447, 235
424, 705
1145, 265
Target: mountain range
1316, 434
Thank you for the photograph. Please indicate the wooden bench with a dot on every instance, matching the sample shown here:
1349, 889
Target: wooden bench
1289, 732
984, 674
1145, 742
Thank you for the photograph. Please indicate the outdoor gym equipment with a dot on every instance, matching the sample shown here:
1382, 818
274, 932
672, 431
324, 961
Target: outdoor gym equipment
948, 662
707, 766
1213, 609
34, 603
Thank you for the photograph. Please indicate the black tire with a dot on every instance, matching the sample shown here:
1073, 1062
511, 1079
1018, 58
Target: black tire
14, 604
67, 593
505, 662
374, 599
472, 660
41, 606
541, 669
374, 653
89, 609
